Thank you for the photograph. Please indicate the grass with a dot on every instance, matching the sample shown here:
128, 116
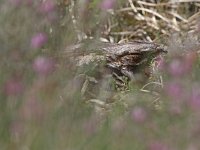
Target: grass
42, 102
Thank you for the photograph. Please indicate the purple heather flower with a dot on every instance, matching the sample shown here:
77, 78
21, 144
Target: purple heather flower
13, 86
139, 114
43, 65
192, 147
38, 40
177, 67
107, 4
190, 59
29, 2
181, 66
15, 2
174, 90
194, 100
47, 7
158, 146
159, 62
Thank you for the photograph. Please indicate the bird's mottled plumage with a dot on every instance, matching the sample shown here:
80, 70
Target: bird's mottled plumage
131, 60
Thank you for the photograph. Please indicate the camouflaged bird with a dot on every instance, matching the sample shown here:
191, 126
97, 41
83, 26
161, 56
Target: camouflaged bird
131, 61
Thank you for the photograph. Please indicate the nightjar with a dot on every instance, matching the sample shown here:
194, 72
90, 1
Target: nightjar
123, 62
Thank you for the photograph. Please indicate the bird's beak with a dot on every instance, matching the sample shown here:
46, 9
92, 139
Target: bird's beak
165, 51
162, 49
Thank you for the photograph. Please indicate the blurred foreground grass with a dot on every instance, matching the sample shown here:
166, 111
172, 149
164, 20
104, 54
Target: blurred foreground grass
41, 106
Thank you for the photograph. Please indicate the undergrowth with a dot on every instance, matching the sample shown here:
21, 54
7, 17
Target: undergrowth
42, 104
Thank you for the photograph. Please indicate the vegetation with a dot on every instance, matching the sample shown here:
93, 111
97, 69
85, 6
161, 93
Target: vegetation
42, 106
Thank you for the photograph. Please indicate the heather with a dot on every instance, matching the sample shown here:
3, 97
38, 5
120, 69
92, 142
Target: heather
43, 99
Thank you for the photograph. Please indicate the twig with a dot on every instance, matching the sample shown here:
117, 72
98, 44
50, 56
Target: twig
80, 34
135, 10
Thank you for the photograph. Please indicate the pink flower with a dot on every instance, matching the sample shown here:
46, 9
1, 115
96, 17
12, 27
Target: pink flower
174, 90
15, 2
107, 4
139, 114
177, 67
158, 146
192, 146
182, 65
38, 40
159, 62
47, 7
29, 2
13, 86
43, 65
194, 100
190, 59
